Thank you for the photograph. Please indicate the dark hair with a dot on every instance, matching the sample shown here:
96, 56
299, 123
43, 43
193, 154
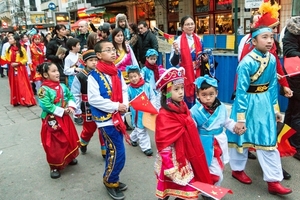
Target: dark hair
183, 19
18, 44
98, 45
72, 42
58, 27
23, 35
134, 27
133, 71
91, 40
44, 68
163, 99
112, 26
144, 23
113, 34
205, 86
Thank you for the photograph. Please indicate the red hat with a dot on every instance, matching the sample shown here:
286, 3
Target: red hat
269, 11
169, 75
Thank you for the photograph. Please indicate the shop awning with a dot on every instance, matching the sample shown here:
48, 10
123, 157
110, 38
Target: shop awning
95, 10
76, 24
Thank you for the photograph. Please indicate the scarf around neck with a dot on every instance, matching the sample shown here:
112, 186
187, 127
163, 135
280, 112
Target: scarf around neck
14, 51
154, 68
58, 89
187, 64
138, 84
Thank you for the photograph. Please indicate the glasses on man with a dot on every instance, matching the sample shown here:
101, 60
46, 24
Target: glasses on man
113, 50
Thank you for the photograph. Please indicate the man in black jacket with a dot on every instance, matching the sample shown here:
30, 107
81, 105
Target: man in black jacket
291, 48
147, 40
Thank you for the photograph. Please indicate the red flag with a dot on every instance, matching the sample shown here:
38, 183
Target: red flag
142, 103
292, 66
170, 38
283, 133
212, 191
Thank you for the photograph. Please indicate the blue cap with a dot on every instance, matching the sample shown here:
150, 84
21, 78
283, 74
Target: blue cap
209, 80
132, 67
151, 52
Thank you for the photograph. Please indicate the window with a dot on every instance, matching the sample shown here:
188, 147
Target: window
173, 6
295, 8
201, 5
202, 24
223, 4
223, 23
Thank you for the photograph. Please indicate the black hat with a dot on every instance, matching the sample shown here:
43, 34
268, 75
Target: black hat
88, 54
104, 27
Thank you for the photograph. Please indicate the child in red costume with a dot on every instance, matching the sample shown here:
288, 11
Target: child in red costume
181, 158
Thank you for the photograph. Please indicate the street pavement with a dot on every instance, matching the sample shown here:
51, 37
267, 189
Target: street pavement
24, 173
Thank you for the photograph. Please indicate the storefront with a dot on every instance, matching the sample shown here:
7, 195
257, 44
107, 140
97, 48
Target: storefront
213, 17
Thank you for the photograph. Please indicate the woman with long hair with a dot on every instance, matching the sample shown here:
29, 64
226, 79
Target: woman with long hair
20, 89
59, 39
125, 55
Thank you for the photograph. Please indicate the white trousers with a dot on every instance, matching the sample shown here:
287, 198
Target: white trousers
141, 135
269, 161
215, 169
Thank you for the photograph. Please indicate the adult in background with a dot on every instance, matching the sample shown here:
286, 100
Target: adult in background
83, 34
134, 37
291, 48
122, 23
184, 52
59, 39
105, 31
147, 40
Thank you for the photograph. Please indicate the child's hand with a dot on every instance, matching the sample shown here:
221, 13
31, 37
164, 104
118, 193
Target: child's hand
239, 128
287, 92
278, 117
14, 64
77, 69
122, 108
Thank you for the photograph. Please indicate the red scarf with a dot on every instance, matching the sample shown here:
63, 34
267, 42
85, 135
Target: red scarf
138, 84
187, 63
178, 128
154, 68
14, 50
116, 96
57, 87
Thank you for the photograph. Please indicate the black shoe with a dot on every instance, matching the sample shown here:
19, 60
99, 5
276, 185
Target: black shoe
122, 186
148, 152
83, 149
297, 155
251, 155
73, 162
115, 193
78, 120
2, 75
54, 173
286, 175
134, 144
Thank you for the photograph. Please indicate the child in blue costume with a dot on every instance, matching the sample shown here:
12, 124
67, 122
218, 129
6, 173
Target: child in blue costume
255, 108
211, 116
137, 86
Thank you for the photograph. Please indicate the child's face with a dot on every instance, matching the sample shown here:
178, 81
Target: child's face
134, 77
108, 53
264, 42
207, 96
151, 60
177, 92
91, 63
37, 40
52, 74
76, 48
119, 38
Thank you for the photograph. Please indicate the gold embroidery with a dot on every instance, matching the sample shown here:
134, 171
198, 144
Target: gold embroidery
41, 93
248, 145
241, 116
263, 64
261, 88
106, 84
276, 107
102, 118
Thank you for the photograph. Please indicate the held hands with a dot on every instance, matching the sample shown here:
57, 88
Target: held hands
122, 108
239, 128
69, 110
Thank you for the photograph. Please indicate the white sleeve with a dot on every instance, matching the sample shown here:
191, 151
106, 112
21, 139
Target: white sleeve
229, 123
97, 101
29, 61
67, 67
76, 91
124, 92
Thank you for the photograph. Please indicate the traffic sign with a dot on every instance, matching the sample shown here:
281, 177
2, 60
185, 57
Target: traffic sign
51, 6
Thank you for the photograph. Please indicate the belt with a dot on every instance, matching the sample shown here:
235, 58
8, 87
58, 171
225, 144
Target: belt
258, 88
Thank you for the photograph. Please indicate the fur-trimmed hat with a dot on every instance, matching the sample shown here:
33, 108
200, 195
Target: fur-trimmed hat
120, 17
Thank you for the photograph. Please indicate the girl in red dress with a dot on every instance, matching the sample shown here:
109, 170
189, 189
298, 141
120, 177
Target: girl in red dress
59, 135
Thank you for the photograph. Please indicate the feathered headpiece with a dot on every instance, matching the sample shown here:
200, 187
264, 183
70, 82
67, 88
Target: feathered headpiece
269, 14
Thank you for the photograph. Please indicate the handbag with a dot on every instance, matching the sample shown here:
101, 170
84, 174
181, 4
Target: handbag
292, 65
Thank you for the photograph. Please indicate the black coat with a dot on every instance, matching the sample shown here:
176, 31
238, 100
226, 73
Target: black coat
51, 50
82, 38
291, 48
146, 41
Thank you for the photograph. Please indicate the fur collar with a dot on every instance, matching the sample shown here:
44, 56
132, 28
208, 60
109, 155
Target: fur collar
293, 25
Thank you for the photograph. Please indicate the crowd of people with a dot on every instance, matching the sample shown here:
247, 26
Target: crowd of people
93, 76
